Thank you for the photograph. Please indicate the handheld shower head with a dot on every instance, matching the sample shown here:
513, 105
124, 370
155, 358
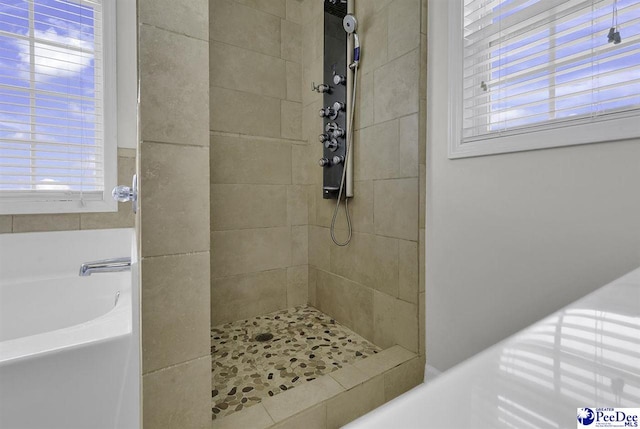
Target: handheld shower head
350, 23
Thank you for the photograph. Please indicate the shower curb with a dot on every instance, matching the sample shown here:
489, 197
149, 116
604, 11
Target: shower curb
337, 398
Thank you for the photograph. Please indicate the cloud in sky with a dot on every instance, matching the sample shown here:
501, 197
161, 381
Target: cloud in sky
53, 61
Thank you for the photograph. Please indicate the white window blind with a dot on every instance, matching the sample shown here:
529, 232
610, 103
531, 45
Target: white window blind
52, 103
532, 65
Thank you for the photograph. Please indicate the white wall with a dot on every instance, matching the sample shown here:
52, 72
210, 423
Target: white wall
513, 237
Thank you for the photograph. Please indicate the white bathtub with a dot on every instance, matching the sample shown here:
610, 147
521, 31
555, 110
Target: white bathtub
68, 345
586, 355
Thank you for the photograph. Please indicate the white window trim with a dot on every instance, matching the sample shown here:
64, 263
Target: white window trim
555, 135
106, 203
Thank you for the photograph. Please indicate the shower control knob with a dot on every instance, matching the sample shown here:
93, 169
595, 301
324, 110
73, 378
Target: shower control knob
328, 112
337, 160
338, 79
323, 162
323, 137
321, 89
332, 145
338, 106
334, 130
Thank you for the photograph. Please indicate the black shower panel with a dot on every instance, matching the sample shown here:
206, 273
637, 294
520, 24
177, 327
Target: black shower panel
334, 89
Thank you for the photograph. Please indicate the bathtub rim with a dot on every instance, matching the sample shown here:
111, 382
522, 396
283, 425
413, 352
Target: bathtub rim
112, 325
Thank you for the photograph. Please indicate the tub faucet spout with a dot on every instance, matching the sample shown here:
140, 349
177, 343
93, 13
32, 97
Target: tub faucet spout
105, 266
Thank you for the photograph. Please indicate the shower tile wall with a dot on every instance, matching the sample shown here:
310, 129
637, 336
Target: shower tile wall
123, 218
373, 285
258, 199
174, 213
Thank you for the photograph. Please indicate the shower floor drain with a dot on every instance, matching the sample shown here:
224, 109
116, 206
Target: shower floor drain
266, 336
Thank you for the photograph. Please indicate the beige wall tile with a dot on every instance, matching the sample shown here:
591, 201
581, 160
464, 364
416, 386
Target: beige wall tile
175, 309
244, 113
241, 69
408, 147
361, 206
311, 10
370, 260
254, 417
229, 21
293, 401
297, 205
349, 376
124, 217
46, 222
178, 397
313, 40
247, 295
406, 325
312, 73
274, 7
313, 418
376, 152
248, 206
174, 199
6, 222
297, 285
238, 159
348, 302
396, 87
249, 250
294, 11
354, 403
374, 33
291, 120
303, 166
384, 320
190, 18
313, 274
311, 195
385, 360
174, 90
300, 245
421, 323
400, 218
320, 247
294, 80
421, 260
423, 71
423, 196
403, 378
312, 123
404, 27
423, 17
291, 41
324, 212
363, 116
395, 322
408, 271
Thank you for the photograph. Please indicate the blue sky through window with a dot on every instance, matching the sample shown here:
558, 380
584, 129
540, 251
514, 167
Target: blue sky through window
554, 66
50, 118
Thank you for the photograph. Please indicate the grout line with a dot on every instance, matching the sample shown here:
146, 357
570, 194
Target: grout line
177, 33
174, 144
173, 365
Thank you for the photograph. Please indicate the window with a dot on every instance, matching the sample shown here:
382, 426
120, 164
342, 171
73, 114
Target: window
57, 106
532, 74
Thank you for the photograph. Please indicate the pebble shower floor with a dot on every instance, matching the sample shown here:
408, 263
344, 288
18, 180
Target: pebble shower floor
306, 344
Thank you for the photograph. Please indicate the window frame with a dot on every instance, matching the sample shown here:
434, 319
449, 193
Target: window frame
26, 204
553, 134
